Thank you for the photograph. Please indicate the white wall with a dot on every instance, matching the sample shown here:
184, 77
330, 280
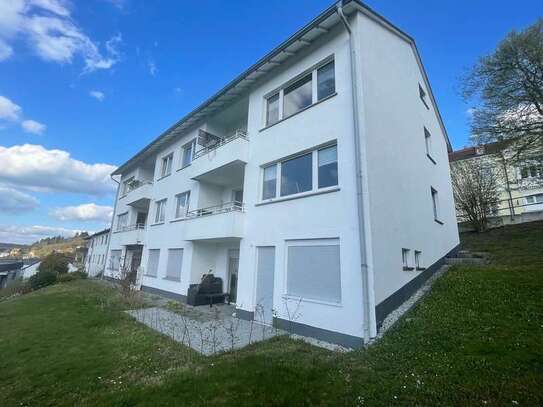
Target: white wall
96, 259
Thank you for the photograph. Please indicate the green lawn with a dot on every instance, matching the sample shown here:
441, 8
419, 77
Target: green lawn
477, 339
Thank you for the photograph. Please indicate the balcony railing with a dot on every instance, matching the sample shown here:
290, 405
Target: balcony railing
132, 186
233, 206
127, 228
238, 134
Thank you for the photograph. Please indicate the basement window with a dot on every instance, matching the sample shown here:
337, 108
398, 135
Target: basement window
406, 253
418, 260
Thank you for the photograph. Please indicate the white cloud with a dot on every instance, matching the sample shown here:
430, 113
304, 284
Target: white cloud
36, 168
49, 29
13, 201
5, 51
152, 68
9, 110
85, 212
97, 95
29, 234
34, 127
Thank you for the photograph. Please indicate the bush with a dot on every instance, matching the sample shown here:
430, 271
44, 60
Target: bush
42, 279
78, 275
55, 262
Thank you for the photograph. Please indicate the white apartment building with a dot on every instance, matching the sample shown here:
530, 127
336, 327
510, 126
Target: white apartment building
97, 244
316, 184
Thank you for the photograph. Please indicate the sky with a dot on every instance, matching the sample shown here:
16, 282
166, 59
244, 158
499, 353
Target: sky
86, 84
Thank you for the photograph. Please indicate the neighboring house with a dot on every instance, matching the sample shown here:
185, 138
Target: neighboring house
97, 244
10, 270
520, 183
316, 185
81, 254
30, 267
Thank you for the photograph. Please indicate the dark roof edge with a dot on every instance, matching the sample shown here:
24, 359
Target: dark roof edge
101, 232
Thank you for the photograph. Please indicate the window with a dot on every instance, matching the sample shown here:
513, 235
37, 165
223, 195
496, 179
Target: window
534, 199
188, 153
530, 172
304, 173
297, 96
296, 175
310, 88
175, 262
428, 143
126, 186
422, 95
152, 262
326, 81
122, 221
328, 167
237, 196
115, 260
406, 253
435, 204
418, 260
166, 165
182, 204
269, 185
272, 109
313, 270
160, 214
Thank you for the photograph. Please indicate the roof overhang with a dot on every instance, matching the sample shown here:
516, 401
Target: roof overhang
303, 38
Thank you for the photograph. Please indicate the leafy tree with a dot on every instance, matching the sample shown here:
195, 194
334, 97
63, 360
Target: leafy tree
55, 262
475, 190
508, 84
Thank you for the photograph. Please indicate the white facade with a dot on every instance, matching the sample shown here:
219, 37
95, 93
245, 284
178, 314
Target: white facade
300, 256
97, 244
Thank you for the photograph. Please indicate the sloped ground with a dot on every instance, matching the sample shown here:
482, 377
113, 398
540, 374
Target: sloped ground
475, 340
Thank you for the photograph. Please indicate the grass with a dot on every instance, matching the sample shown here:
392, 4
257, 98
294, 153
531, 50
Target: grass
475, 340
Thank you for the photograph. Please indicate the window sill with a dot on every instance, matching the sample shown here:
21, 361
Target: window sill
420, 268
183, 167
175, 280
149, 275
314, 301
178, 220
164, 176
298, 112
297, 196
408, 268
430, 158
438, 221
156, 224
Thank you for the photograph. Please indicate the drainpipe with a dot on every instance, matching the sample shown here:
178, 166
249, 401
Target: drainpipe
111, 225
362, 200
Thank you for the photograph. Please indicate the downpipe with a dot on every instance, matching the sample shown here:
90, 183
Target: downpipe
364, 232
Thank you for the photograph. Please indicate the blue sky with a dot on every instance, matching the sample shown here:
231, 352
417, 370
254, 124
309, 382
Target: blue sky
149, 63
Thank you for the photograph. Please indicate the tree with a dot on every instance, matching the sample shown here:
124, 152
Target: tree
475, 190
509, 86
55, 262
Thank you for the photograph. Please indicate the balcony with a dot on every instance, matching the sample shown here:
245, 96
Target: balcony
220, 160
138, 193
130, 234
215, 222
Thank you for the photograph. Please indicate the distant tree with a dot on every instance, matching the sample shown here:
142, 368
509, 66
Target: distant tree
508, 85
475, 190
55, 262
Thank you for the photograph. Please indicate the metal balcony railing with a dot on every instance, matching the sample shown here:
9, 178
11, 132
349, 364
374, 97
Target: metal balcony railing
226, 207
211, 147
135, 185
127, 228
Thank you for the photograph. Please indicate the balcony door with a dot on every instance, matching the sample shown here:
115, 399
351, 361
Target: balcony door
141, 218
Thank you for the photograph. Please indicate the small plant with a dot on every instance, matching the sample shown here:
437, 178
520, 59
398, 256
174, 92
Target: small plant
42, 279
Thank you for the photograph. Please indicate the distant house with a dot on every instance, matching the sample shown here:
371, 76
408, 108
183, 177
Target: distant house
10, 270
95, 259
520, 182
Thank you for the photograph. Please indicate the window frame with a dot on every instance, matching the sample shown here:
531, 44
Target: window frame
406, 260
423, 95
118, 227
192, 144
187, 203
314, 174
280, 91
169, 277
418, 260
146, 270
435, 205
163, 167
162, 205
428, 143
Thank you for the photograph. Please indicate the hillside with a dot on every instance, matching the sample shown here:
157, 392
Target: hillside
58, 244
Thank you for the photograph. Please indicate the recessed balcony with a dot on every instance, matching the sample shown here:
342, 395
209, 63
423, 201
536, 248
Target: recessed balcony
215, 222
130, 234
138, 193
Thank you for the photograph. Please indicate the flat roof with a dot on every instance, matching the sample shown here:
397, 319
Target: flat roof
238, 86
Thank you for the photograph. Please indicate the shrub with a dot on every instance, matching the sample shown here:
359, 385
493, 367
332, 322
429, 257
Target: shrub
55, 262
42, 278
78, 275
18, 287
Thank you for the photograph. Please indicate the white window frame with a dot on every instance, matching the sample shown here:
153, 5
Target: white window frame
418, 260
126, 184
428, 143
172, 278
120, 227
160, 210
423, 94
406, 260
314, 180
164, 165
314, 91
187, 203
146, 270
192, 145
328, 241
435, 205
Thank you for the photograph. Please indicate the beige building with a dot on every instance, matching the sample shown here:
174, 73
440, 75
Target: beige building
520, 183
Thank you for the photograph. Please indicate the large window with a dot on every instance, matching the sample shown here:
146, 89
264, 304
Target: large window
297, 175
532, 171
297, 96
188, 153
175, 262
126, 186
166, 165
122, 221
160, 211
313, 270
152, 262
301, 93
308, 172
182, 204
